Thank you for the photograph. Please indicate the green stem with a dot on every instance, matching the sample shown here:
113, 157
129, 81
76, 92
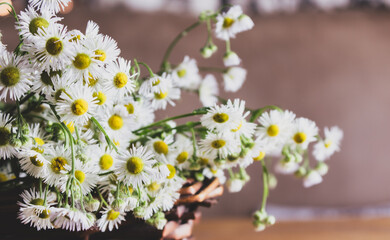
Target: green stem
40, 186
257, 113
108, 139
138, 70
212, 69
193, 142
13, 10
228, 49
209, 33
265, 186
147, 67
194, 113
45, 198
101, 197
165, 63
230, 171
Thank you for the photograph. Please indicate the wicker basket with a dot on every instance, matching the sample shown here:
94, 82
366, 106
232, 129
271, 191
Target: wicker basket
181, 218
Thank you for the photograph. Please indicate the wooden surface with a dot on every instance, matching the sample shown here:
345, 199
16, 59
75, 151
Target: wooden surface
345, 229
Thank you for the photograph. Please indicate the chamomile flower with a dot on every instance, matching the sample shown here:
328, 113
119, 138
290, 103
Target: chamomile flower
105, 158
182, 151
222, 118
105, 48
155, 84
161, 92
233, 79
60, 160
231, 59
304, 132
186, 74
135, 167
226, 25
86, 175
76, 105
139, 111
15, 76
116, 120
43, 82
33, 162
276, 126
325, 148
219, 145
6, 149
110, 219
85, 63
50, 48
118, 78
32, 197
50, 5
160, 147
72, 219
208, 91
61, 84
31, 21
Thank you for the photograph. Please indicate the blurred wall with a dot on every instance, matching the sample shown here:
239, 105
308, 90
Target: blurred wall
332, 68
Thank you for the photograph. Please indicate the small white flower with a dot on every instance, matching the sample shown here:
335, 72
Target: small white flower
231, 59
289, 167
105, 48
15, 76
325, 148
226, 26
110, 219
186, 74
304, 132
33, 162
49, 5
135, 167
60, 160
219, 145
72, 219
311, 179
118, 78
6, 149
234, 78
223, 118
86, 175
163, 93
208, 91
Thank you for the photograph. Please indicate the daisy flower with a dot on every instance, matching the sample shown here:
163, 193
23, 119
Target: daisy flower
30, 22
325, 148
86, 175
105, 157
77, 105
6, 149
186, 74
43, 82
105, 48
219, 145
118, 79
33, 162
182, 151
50, 5
155, 84
116, 120
208, 91
233, 79
72, 219
160, 147
60, 161
222, 118
304, 132
61, 84
110, 219
50, 48
160, 99
140, 112
227, 22
15, 76
135, 167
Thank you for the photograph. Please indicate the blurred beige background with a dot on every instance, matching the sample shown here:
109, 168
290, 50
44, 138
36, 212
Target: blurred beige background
330, 67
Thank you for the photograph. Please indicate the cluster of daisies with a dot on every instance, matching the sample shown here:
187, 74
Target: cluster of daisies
80, 128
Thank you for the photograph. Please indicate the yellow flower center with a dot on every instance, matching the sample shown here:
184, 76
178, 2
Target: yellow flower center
203, 161
115, 122
182, 157
82, 61
101, 55
58, 164
37, 23
260, 157
116, 143
100, 97
36, 162
79, 107
120, 80
130, 108
134, 165
227, 22
299, 137
154, 186
131, 190
37, 201
156, 82
220, 117
70, 126
54, 46
172, 171
160, 147
273, 130
218, 143
5, 136
39, 141
10, 76
38, 150
106, 161
80, 175
112, 215
92, 80
3, 177
160, 95
181, 73
328, 144
44, 214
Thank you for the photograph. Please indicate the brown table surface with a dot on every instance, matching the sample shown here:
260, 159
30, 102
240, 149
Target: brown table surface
344, 229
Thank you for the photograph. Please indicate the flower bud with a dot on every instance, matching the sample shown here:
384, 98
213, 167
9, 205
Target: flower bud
272, 181
322, 168
311, 179
301, 172
91, 205
235, 185
231, 59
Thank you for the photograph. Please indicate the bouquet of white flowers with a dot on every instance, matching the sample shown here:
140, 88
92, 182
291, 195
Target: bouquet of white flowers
78, 130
